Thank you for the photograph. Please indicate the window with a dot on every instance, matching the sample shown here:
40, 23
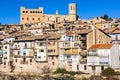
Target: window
38, 18
26, 11
5, 57
68, 57
27, 18
18, 52
30, 60
51, 51
39, 57
23, 11
119, 58
102, 67
5, 52
4, 63
5, 47
53, 63
85, 67
16, 60
75, 56
24, 59
71, 7
41, 50
93, 67
22, 18
30, 11
32, 18
24, 53
77, 67
52, 57
42, 44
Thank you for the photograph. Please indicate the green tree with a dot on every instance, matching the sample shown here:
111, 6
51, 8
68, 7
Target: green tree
108, 72
106, 17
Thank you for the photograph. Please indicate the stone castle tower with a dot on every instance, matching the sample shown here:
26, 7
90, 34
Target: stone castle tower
72, 12
28, 16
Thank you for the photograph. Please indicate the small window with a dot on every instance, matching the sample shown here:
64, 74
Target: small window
41, 50
5, 47
71, 7
22, 18
26, 11
102, 67
5, 53
23, 11
27, 18
52, 58
4, 63
38, 18
30, 11
24, 59
85, 67
24, 53
16, 60
39, 57
53, 63
77, 67
18, 52
0, 47
5, 57
93, 67
119, 58
30, 60
32, 18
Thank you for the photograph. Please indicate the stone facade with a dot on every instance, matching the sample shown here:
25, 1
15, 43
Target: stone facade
28, 16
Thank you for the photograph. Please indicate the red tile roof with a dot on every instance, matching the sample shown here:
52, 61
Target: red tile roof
101, 46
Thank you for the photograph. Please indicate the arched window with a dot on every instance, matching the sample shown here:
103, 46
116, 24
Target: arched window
71, 7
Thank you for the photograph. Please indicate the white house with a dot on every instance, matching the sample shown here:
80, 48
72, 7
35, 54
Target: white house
69, 52
6, 53
101, 56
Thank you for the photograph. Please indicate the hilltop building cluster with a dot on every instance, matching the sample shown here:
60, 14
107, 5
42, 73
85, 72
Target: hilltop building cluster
59, 41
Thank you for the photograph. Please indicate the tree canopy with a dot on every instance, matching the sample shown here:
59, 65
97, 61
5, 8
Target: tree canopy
106, 17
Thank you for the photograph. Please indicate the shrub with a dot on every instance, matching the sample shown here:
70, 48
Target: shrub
108, 72
46, 69
95, 77
60, 70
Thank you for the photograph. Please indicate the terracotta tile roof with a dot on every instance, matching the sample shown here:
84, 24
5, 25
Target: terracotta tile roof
110, 30
101, 46
117, 31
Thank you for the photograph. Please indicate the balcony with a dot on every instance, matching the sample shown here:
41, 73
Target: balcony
51, 44
28, 47
69, 61
83, 61
22, 62
83, 47
92, 54
96, 60
64, 44
82, 38
50, 54
15, 48
83, 54
6, 42
97, 63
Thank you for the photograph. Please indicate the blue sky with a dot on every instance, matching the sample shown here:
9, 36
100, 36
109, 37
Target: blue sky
86, 9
